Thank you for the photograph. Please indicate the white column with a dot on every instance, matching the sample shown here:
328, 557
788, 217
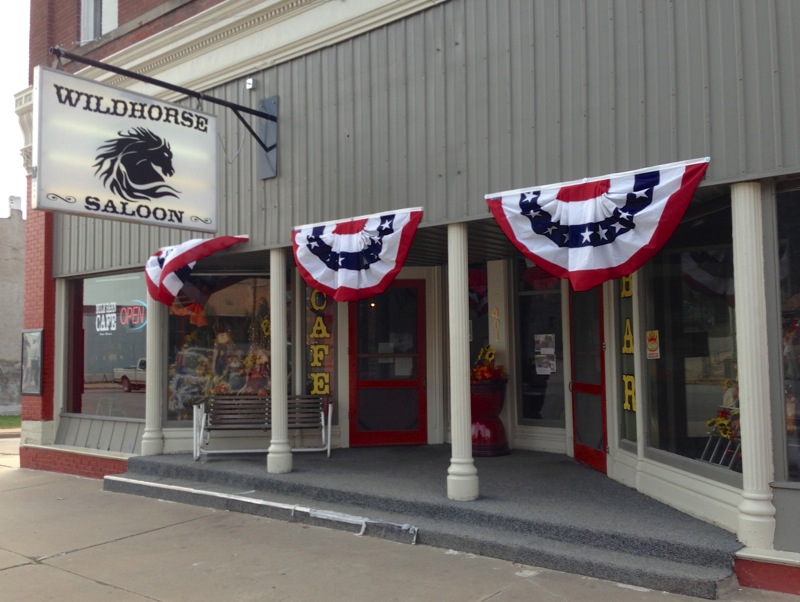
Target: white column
756, 512
462, 476
156, 389
279, 456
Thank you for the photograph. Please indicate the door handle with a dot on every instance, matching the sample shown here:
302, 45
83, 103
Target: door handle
570, 386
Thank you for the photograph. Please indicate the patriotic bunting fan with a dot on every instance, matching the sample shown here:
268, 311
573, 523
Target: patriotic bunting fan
168, 268
602, 228
356, 258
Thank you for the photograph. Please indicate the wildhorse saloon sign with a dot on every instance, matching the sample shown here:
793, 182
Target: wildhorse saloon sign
104, 152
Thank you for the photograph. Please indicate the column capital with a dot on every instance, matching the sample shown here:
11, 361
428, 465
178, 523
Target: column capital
23, 106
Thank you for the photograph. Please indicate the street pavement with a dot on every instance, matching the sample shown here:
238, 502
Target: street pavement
64, 538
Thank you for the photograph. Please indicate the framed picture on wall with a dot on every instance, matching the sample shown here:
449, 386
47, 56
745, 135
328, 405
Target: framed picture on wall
31, 362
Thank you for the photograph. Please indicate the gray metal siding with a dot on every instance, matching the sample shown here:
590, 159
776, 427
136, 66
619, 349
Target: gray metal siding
477, 96
100, 432
84, 245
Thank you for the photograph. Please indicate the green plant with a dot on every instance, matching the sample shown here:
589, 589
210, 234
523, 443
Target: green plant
10, 422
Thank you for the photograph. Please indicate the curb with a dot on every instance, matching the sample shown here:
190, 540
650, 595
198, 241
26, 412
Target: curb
10, 433
295, 513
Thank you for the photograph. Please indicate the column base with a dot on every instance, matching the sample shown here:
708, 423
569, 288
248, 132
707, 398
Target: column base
462, 480
462, 489
756, 520
152, 443
279, 459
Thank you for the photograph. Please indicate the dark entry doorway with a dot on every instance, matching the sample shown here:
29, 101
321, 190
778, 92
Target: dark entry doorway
588, 383
388, 404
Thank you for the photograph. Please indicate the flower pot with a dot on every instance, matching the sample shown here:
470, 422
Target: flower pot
488, 434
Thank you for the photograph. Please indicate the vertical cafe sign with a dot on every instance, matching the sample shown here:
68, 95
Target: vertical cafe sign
319, 328
100, 151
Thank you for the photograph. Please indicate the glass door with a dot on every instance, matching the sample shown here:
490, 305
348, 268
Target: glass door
588, 386
388, 403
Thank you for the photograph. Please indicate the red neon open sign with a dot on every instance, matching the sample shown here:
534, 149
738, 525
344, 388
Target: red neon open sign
133, 316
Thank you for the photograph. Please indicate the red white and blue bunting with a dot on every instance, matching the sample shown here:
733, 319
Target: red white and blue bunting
598, 229
168, 268
355, 258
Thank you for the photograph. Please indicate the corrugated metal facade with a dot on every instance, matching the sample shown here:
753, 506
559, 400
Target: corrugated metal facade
476, 96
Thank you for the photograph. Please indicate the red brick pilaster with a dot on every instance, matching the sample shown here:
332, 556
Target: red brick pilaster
39, 311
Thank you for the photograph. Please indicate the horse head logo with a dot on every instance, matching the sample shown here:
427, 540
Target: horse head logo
127, 165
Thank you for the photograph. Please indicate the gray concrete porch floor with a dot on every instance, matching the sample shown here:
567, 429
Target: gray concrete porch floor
534, 508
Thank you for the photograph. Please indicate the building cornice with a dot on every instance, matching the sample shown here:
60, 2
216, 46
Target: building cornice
23, 107
238, 38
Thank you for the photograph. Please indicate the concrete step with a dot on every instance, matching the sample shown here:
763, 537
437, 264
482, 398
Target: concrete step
700, 568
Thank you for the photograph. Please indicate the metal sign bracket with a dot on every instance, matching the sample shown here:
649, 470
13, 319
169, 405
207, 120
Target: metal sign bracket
268, 113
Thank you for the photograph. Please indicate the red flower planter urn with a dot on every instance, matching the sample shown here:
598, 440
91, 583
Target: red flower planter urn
488, 434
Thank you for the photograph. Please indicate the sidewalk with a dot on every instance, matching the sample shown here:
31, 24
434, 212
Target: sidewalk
9, 448
10, 433
65, 538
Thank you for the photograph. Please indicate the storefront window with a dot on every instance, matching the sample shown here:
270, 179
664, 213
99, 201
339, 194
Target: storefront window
690, 338
219, 340
627, 402
789, 253
108, 376
541, 347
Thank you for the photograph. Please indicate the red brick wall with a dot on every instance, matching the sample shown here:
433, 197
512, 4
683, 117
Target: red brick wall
53, 22
164, 22
39, 310
56, 460
128, 11
763, 575
57, 23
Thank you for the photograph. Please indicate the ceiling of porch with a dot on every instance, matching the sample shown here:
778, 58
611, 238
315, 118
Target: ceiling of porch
486, 242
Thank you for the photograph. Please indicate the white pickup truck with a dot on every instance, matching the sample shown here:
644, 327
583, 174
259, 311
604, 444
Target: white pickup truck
133, 377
